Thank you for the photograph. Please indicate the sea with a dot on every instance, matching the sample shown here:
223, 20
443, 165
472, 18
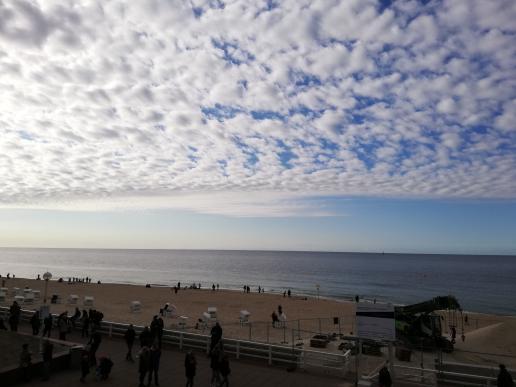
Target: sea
485, 284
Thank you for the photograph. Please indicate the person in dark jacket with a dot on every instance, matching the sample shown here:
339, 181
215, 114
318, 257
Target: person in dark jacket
48, 349
35, 323
129, 336
155, 357
144, 364
216, 335
14, 316
145, 338
85, 364
25, 362
384, 377
504, 377
224, 371
47, 325
190, 368
85, 324
215, 360
94, 343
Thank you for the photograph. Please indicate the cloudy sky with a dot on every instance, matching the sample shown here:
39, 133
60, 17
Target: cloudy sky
296, 124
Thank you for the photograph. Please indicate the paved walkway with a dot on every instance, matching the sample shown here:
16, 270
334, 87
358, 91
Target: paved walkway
243, 373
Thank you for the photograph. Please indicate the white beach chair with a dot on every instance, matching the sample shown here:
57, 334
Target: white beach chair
28, 298
19, 299
182, 321
55, 299
37, 294
88, 301
72, 299
5, 290
212, 311
3, 297
27, 291
135, 307
283, 320
17, 292
244, 317
170, 311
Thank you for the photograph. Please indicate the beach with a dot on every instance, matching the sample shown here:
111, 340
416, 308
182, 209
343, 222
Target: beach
484, 332
114, 301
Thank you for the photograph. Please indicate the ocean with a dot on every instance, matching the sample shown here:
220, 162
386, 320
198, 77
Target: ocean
484, 284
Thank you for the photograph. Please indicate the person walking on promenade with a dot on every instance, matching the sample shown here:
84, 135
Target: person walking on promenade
85, 324
224, 371
504, 377
159, 331
144, 364
47, 325
35, 323
63, 325
155, 357
216, 335
384, 377
215, 360
94, 343
14, 316
190, 368
25, 362
85, 364
129, 336
145, 338
48, 349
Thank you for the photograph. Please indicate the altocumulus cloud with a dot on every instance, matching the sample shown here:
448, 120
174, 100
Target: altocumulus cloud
252, 108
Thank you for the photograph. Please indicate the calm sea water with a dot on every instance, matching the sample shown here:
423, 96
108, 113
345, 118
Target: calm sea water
481, 283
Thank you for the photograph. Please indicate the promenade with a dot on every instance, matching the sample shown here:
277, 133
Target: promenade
243, 373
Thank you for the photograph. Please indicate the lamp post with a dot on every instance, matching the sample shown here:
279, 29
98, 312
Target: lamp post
47, 276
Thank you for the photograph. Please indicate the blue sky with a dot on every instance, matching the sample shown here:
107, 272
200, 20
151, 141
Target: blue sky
297, 124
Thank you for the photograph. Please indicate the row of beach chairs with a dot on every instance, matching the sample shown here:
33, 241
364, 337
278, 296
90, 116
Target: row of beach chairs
29, 296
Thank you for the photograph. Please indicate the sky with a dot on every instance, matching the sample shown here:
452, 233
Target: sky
357, 125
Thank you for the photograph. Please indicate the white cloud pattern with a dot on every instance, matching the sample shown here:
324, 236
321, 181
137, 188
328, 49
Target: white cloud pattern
245, 108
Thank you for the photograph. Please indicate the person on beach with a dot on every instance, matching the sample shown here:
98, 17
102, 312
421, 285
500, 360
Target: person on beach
190, 368
14, 316
47, 325
75, 317
275, 319
504, 377
155, 357
224, 371
25, 362
144, 364
129, 336
289, 293
384, 377
35, 323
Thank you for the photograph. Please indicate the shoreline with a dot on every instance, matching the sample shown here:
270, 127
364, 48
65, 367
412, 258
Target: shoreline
299, 295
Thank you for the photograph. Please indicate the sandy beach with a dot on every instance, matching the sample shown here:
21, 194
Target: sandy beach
484, 332
114, 301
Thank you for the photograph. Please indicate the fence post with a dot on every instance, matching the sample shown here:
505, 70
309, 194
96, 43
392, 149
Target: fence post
110, 330
299, 329
267, 332
180, 341
284, 335
270, 355
207, 345
238, 349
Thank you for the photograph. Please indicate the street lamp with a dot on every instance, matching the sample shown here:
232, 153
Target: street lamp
47, 276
